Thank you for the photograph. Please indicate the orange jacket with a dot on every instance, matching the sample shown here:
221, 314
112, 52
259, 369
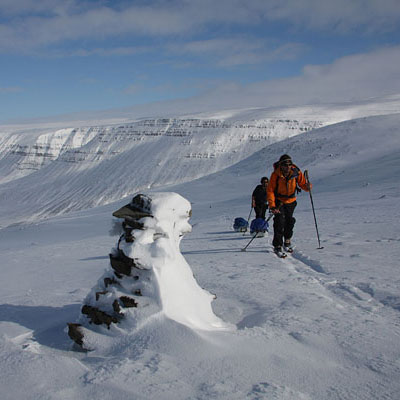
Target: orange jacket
284, 189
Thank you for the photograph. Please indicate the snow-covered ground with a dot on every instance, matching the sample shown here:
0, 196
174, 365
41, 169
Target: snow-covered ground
321, 324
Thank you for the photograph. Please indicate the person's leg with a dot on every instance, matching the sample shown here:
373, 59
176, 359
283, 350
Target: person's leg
263, 211
288, 210
260, 211
279, 224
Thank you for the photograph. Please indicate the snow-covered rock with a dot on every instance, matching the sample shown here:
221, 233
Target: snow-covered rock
148, 277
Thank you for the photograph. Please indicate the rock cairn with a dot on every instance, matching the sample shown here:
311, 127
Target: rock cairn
147, 276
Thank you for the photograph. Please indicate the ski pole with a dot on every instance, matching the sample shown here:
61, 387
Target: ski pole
247, 245
312, 205
248, 219
272, 215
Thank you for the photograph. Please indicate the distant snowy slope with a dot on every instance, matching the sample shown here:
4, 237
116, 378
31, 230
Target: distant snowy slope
46, 172
353, 154
206, 138
27, 147
332, 149
26, 151
75, 169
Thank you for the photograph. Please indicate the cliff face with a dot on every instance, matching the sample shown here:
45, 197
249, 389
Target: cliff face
27, 153
34, 163
22, 153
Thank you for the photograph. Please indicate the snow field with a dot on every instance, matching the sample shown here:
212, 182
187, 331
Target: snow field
321, 324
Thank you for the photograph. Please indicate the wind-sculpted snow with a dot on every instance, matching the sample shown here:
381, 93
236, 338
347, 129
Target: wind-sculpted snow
148, 277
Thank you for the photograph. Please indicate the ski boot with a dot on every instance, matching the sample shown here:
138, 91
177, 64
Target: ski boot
279, 252
288, 246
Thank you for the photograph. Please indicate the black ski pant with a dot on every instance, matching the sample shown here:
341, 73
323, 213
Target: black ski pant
284, 223
260, 210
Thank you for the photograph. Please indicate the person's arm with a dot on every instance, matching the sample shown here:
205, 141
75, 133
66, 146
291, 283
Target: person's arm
302, 182
271, 191
253, 197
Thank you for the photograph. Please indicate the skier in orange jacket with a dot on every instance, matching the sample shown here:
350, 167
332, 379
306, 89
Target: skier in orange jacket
281, 195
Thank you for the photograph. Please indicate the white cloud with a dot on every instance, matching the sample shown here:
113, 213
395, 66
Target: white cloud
347, 79
286, 51
238, 50
98, 23
30, 23
339, 15
12, 8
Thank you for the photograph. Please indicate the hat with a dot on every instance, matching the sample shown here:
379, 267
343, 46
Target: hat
285, 157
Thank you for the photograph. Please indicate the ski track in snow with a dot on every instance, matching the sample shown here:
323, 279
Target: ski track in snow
316, 283
307, 269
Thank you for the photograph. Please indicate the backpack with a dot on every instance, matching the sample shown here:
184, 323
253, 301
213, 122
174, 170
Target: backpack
240, 225
259, 225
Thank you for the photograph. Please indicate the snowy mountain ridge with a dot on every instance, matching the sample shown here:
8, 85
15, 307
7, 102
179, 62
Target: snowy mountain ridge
32, 152
56, 172
49, 171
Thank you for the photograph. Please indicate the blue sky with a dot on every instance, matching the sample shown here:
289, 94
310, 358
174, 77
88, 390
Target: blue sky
65, 56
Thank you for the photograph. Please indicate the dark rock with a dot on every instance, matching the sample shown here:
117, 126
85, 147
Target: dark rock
138, 208
141, 202
128, 302
121, 264
110, 281
97, 316
116, 307
130, 223
129, 238
98, 294
75, 333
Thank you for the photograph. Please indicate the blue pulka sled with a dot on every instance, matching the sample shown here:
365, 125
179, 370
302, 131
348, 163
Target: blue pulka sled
257, 225
240, 225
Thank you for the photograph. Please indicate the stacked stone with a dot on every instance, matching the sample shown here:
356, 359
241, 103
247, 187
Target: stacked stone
121, 288
149, 282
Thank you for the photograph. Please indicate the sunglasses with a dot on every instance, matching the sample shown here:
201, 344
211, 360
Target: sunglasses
287, 164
